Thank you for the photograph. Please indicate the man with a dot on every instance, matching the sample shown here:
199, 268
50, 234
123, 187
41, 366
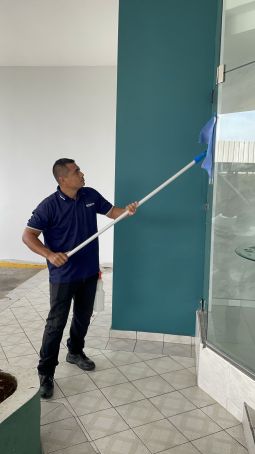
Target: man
67, 218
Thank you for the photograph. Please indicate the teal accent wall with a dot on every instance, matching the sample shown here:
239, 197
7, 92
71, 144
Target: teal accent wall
166, 75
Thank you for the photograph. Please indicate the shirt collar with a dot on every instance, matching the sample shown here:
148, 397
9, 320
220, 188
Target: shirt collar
65, 197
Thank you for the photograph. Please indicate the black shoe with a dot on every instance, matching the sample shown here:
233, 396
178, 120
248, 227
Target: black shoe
81, 360
46, 386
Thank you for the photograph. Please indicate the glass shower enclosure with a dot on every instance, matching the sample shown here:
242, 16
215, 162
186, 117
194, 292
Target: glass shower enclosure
231, 298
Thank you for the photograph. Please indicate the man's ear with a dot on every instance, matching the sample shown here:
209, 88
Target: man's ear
60, 180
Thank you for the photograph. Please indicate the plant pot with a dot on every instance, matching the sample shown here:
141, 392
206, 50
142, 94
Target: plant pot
19, 412
8, 384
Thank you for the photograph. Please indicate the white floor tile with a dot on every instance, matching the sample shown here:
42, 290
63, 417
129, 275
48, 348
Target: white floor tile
61, 434
180, 379
172, 403
14, 339
153, 386
88, 402
143, 346
77, 384
67, 370
194, 424
102, 362
221, 443
82, 448
121, 344
164, 364
19, 350
137, 370
186, 448
122, 394
139, 413
119, 358
122, 443
159, 435
237, 433
221, 416
53, 411
197, 396
108, 377
103, 423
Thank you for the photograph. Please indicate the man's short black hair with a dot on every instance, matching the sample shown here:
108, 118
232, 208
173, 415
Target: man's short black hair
59, 168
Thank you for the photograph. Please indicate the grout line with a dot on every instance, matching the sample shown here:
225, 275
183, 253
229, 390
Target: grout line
235, 439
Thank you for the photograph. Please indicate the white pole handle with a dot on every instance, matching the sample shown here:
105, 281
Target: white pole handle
166, 183
93, 237
125, 214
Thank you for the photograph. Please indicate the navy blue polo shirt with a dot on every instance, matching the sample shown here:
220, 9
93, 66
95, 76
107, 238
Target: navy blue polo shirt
65, 223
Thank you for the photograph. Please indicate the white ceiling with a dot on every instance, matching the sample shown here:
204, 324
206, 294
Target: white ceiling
58, 32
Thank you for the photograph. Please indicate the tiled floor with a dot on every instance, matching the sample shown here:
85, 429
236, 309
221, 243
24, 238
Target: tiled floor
12, 276
141, 399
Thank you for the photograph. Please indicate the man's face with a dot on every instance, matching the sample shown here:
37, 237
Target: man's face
74, 178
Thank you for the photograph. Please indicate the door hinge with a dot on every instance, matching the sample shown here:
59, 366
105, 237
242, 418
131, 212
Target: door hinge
220, 75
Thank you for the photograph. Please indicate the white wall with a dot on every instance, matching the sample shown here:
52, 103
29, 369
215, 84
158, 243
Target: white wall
47, 114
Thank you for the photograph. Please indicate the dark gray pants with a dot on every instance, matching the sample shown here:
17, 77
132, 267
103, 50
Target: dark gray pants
61, 295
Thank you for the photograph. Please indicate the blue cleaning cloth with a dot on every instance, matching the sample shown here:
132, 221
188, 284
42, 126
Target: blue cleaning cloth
206, 136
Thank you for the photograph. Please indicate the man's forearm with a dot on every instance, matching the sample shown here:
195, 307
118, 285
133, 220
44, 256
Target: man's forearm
33, 242
30, 238
116, 212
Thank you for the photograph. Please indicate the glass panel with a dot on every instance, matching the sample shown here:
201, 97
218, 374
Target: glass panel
237, 94
231, 301
239, 33
231, 311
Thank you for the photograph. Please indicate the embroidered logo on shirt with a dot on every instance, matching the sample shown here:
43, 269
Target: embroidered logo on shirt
89, 205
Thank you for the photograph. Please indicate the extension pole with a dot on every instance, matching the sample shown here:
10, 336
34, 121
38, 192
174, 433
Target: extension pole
149, 196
